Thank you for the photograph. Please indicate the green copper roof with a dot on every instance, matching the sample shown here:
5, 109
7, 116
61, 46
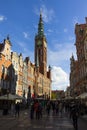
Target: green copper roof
40, 26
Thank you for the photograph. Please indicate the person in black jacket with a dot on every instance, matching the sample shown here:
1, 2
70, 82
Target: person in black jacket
74, 115
17, 109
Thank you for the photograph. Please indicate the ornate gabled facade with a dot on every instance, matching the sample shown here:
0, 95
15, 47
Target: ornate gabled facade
15, 64
5, 66
78, 74
21, 76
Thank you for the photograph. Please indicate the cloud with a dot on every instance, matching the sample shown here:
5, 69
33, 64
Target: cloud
59, 56
50, 30
26, 35
65, 30
71, 38
75, 20
60, 79
61, 52
2, 18
47, 14
25, 50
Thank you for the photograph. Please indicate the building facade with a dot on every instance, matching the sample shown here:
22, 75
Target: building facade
78, 68
20, 75
58, 94
43, 76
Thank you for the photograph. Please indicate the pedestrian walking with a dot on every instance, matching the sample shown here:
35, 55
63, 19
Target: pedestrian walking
17, 109
36, 107
74, 115
12, 109
53, 107
57, 107
60, 108
32, 110
48, 107
40, 109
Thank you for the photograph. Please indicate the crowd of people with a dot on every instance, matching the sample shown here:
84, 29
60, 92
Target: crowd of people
12, 108
38, 108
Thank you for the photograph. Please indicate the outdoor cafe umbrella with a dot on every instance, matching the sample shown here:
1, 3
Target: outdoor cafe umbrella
82, 96
10, 97
68, 97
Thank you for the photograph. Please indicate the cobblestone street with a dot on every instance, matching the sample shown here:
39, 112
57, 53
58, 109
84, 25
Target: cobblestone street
25, 123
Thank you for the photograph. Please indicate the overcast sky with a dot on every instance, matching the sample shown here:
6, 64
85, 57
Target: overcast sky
19, 19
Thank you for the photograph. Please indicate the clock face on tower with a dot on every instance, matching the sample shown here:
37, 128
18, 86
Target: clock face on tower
39, 43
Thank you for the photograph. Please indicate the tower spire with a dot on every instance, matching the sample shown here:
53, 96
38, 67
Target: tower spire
40, 25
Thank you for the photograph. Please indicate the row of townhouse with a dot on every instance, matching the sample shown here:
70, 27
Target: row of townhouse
78, 68
22, 76
16, 74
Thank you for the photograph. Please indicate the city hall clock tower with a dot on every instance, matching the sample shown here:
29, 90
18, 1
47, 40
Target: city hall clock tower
41, 49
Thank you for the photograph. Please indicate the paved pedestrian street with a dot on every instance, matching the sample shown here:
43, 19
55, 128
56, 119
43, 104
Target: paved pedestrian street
53, 122
45, 123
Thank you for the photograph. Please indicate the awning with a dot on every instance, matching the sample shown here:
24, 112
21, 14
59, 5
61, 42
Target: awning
68, 97
10, 97
82, 96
